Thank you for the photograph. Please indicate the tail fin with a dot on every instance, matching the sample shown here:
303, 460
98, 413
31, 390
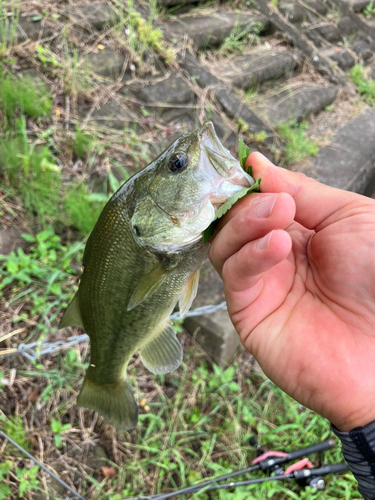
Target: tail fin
115, 402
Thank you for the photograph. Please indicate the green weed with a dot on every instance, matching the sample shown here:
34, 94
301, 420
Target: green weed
14, 428
82, 143
18, 96
5, 491
27, 479
9, 16
46, 56
58, 428
41, 276
30, 172
69, 367
369, 11
142, 34
186, 439
82, 208
298, 147
239, 38
76, 78
364, 86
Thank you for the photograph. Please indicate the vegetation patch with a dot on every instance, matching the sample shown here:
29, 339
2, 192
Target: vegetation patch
298, 148
364, 86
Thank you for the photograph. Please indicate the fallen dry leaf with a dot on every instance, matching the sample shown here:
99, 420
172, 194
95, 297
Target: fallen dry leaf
33, 395
108, 471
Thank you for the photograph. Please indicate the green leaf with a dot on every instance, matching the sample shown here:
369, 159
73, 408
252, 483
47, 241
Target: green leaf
5, 491
243, 153
28, 237
227, 206
56, 289
56, 425
12, 266
5, 468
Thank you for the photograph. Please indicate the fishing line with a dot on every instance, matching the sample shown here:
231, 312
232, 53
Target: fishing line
63, 483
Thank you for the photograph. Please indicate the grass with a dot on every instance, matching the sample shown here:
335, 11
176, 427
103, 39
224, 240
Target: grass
369, 11
141, 34
364, 86
298, 148
181, 440
239, 38
9, 16
42, 277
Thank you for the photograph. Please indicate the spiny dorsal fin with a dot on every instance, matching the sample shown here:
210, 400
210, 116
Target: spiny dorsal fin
189, 292
72, 315
163, 353
147, 286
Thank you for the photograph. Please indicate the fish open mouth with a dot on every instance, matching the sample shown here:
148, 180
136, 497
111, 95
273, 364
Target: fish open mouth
220, 158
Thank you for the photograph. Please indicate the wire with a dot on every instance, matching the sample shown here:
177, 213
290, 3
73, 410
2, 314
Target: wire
16, 445
34, 350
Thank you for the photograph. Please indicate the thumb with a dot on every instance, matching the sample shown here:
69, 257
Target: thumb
315, 202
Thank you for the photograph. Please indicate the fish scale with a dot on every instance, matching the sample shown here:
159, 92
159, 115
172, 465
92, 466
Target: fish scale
142, 256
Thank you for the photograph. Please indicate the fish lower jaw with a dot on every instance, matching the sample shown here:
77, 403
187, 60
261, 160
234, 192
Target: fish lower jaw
174, 246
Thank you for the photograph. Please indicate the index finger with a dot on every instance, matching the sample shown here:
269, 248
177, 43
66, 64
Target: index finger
315, 202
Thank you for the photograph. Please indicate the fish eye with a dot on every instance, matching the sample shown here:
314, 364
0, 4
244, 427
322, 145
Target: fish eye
178, 162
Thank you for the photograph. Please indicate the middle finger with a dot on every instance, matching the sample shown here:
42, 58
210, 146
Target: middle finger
254, 216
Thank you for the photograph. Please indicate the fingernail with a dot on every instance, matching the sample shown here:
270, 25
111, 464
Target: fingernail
264, 242
264, 209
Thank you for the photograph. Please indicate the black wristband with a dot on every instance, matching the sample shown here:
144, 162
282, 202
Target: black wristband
358, 447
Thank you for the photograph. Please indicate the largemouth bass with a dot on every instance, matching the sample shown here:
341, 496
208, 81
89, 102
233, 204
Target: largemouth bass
143, 256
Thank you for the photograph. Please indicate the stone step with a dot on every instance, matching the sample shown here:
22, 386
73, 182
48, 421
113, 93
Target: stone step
173, 90
357, 5
97, 15
110, 115
342, 57
349, 161
214, 332
296, 103
106, 62
211, 30
257, 67
330, 32
227, 100
172, 3
297, 14
27, 29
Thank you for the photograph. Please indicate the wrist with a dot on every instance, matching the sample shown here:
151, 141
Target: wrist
354, 421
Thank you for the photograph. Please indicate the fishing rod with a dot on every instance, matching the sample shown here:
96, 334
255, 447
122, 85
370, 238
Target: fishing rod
268, 462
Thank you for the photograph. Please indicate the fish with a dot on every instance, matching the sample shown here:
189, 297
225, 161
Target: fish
142, 257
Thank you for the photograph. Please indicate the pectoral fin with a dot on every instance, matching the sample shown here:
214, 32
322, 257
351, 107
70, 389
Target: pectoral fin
163, 353
147, 286
189, 292
72, 315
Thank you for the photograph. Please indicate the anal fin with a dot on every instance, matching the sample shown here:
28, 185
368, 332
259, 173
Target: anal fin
189, 292
163, 353
72, 315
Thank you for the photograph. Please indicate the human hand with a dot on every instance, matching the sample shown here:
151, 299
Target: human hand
300, 288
